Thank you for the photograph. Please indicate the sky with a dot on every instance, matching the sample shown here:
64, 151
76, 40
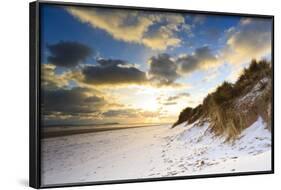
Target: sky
101, 65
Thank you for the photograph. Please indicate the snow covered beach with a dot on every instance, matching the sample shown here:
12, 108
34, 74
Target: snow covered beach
156, 151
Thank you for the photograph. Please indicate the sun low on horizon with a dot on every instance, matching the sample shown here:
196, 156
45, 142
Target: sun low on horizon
133, 66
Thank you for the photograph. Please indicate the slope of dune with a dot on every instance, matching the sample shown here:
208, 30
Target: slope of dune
232, 108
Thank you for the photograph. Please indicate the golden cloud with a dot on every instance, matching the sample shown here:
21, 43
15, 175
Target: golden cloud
50, 79
133, 26
251, 39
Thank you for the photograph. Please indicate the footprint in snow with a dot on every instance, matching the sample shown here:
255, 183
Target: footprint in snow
181, 165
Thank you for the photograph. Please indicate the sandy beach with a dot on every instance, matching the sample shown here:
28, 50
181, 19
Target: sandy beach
156, 151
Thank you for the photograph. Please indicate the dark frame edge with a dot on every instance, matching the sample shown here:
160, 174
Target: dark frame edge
34, 156
159, 179
272, 101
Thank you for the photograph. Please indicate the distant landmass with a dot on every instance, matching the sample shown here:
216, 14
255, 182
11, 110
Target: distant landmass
74, 125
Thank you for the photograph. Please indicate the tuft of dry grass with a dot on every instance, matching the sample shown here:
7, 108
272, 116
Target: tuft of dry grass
234, 107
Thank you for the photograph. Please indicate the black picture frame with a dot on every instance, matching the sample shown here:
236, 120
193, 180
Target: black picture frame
34, 90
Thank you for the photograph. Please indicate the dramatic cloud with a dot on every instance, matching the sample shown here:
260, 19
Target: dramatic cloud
76, 101
51, 80
112, 72
161, 39
68, 54
133, 26
164, 36
163, 69
250, 39
112, 62
202, 58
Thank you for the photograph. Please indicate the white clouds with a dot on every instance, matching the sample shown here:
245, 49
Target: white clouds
114, 22
133, 26
250, 39
161, 39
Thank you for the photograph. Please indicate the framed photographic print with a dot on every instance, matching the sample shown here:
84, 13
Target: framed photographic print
128, 94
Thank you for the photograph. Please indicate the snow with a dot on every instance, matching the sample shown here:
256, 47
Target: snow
255, 92
156, 151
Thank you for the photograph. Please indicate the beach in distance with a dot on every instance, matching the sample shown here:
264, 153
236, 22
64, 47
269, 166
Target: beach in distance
63, 130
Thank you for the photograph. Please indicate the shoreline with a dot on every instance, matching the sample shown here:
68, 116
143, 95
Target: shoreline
52, 133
